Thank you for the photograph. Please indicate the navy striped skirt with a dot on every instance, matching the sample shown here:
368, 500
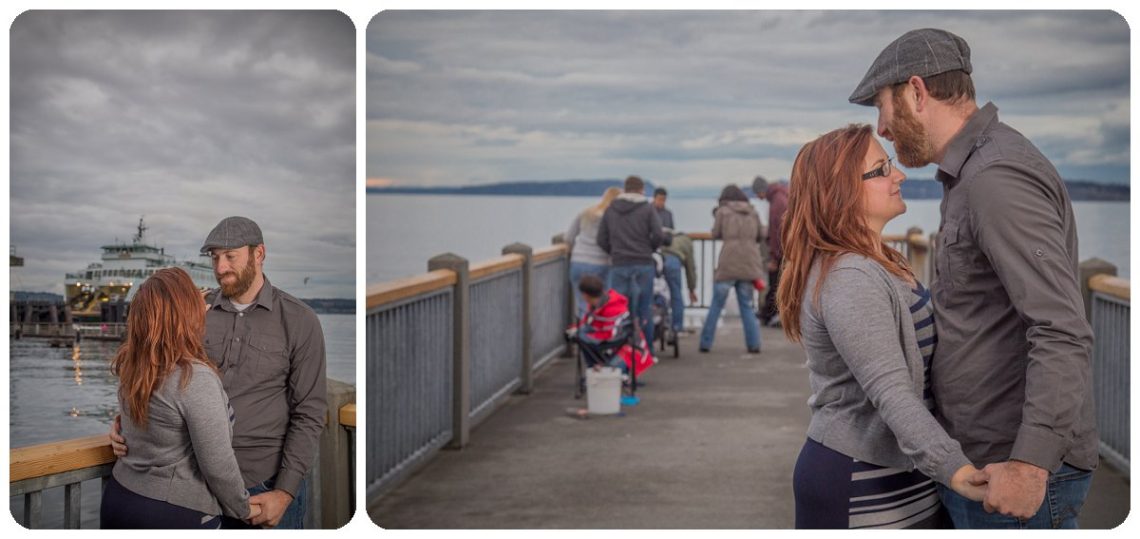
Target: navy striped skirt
834, 490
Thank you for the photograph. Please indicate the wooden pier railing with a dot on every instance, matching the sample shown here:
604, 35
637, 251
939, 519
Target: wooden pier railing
69, 463
447, 348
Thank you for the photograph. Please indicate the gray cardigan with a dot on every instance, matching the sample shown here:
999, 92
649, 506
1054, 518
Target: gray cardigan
184, 456
866, 372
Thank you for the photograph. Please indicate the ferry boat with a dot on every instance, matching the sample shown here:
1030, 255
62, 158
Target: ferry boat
112, 282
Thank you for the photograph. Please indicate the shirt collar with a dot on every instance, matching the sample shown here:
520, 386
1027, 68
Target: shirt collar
264, 298
970, 138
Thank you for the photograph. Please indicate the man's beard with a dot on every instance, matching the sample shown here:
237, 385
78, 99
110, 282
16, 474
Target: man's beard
912, 147
243, 282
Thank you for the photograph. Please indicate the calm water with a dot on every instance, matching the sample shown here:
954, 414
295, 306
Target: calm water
63, 393
404, 231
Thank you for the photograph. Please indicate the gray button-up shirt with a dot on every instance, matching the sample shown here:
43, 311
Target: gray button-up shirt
272, 360
1012, 372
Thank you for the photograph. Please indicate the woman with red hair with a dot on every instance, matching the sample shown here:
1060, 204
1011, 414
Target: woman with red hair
874, 448
181, 471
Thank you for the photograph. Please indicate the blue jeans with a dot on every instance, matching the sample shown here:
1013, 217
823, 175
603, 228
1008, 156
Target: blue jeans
292, 519
1064, 496
636, 284
744, 300
581, 269
676, 302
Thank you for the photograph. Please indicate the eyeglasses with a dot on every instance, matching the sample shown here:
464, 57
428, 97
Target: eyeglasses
884, 170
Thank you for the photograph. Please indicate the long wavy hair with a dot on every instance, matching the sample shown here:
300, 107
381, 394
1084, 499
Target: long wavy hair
165, 327
608, 197
826, 219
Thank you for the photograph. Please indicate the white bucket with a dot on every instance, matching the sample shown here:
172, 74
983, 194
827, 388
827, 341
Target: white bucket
603, 391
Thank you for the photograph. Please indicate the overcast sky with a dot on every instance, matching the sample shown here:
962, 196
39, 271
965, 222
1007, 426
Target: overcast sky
692, 99
186, 118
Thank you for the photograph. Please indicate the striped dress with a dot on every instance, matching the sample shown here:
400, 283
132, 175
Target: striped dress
875, 497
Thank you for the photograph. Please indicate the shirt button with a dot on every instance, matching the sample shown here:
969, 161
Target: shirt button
237, 339
241, 314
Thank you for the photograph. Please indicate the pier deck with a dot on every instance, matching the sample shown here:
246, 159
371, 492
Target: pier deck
712, 445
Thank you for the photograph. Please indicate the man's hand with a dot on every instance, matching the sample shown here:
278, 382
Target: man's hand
773, 266
692, 297
1016, 489
118, 443
273, 505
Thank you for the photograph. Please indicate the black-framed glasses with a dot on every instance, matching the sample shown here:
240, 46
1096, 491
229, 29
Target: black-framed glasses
884, 170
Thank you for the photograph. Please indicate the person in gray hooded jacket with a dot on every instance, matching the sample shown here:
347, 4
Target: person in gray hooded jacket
630, 231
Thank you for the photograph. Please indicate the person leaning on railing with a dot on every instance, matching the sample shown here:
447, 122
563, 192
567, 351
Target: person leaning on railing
181, 471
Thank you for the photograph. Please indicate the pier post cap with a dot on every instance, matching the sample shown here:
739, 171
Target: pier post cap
1098, 265
518, 248
449, 261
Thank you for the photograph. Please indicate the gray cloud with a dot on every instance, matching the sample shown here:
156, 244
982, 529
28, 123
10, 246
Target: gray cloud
691, 98
184, 117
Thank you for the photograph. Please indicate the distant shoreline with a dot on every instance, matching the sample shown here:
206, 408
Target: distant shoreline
917, 189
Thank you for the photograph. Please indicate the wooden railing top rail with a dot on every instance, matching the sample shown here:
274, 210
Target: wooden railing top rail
700, 235
496, 265
392, 291
1113, 286
52, 458
348, 415
58, 457
547, 253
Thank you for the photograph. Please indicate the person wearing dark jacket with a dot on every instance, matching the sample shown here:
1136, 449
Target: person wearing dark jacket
666, 216
777, 196
630, 231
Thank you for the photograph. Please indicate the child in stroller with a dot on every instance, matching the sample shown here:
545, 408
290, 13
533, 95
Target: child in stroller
605, 335
662, 312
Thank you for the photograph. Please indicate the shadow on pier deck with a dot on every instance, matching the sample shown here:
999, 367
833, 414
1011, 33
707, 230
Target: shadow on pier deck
712, 445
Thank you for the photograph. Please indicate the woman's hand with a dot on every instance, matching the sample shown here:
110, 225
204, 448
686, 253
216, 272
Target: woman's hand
961, 484
254, 510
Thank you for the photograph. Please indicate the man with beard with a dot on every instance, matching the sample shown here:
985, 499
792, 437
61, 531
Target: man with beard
1011, 373
270, 354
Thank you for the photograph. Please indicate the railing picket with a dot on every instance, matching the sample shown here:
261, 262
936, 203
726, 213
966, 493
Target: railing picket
71, 504
33, 504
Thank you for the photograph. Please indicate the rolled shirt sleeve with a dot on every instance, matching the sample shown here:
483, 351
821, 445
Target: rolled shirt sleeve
1019, 229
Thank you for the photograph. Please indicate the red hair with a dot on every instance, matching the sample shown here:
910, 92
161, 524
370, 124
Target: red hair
165, 327
825, 219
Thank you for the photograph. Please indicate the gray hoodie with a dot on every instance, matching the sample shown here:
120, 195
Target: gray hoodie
630, 230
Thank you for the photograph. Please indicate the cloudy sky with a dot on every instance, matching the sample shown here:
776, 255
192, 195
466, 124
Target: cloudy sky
695, 99
184, 118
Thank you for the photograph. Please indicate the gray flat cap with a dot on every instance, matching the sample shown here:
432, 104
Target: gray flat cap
233, 232
924, 52
759, 185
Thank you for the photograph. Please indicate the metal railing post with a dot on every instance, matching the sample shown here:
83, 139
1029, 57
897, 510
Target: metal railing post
527, 253
571, 299
461, 345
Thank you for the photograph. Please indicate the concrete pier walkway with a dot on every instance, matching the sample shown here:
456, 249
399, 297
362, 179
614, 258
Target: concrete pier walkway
712, 445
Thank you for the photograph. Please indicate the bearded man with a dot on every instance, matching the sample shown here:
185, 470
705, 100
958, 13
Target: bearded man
270, 353
1011, 374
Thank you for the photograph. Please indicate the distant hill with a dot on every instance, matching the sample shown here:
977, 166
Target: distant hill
331, 305
46, 297
914, 189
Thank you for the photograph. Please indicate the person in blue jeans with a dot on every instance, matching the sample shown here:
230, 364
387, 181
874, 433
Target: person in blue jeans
679, 254
737, 224
629, 232
1012, 374
586, 257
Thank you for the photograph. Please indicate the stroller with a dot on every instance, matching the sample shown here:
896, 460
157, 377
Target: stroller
606, 339
662, 310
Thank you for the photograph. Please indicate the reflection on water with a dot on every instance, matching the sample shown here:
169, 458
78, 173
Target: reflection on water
63, 393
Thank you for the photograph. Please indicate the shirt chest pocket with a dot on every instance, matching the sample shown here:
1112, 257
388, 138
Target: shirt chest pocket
954, 258
266, 358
